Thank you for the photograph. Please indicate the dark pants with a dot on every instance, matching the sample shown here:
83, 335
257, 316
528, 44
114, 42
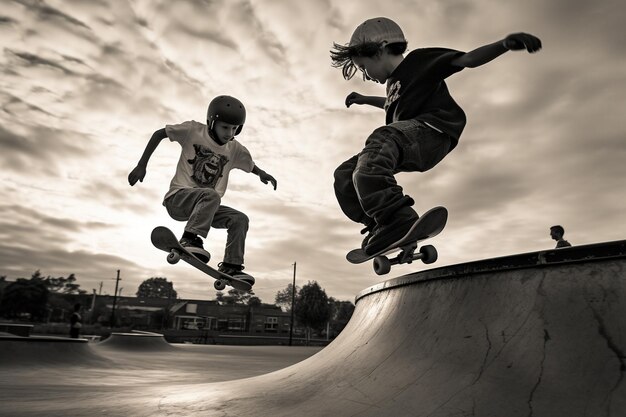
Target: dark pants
365, 185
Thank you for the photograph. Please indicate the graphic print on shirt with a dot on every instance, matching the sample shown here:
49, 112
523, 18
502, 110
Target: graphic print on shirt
393, 94
207, 166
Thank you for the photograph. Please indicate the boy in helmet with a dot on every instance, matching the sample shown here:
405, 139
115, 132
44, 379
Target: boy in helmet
423, 122
209, 153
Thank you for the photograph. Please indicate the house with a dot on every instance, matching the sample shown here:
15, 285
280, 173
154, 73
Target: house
208, 315
265, 319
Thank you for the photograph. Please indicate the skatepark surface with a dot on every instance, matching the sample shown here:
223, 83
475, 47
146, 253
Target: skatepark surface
537, 334
45, 376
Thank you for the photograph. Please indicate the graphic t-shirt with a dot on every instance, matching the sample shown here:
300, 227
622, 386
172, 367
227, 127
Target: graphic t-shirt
203, 162
416, 90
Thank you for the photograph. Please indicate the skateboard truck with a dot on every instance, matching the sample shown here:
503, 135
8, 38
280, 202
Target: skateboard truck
428, 255
174, 256
429, 225
165, 240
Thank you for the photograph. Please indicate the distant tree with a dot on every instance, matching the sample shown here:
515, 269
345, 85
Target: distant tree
341, 312
236, 297
25, 297
283, 297
63, 285
59, 307
255, 302
312, 308
156, 287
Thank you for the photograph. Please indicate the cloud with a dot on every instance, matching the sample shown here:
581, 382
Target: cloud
89, 268
37, 151
33, 224
32, 240
4, 20
34, 60
47, 13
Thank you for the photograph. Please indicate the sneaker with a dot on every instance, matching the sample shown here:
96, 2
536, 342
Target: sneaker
369, 229
195, 247
386, 234
235, 271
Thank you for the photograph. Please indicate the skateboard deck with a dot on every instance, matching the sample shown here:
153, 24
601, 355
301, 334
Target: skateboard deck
430, 224
164, 239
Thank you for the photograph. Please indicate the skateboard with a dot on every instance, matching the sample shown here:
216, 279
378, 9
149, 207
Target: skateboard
430, 224
164, 239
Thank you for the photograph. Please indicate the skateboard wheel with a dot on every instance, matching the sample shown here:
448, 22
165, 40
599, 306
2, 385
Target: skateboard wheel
429, 254
219, 285
173, 257
382, 265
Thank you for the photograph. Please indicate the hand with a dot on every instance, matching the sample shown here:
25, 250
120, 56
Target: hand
519, 41
354, 98
265, 178
137, 174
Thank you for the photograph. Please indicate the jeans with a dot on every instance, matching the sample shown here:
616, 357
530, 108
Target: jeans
201, 209
365, 186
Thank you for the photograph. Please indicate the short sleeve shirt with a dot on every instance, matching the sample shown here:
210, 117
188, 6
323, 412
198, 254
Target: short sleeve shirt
203, 163
562, 244
416, 90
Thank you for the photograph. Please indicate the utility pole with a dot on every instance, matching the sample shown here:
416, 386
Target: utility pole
93, 306
117, 281
293, 301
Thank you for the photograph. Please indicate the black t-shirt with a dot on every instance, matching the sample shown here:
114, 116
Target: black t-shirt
416, 90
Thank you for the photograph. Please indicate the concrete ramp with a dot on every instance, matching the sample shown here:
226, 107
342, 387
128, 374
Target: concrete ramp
538, 334
136, 341
42, 351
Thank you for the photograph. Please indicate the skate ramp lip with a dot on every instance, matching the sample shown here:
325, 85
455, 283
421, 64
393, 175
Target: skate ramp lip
551, 257
532, 334
136, 341
47, 351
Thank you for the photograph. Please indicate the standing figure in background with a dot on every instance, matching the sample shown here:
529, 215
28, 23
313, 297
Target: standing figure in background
556, 233
76, 322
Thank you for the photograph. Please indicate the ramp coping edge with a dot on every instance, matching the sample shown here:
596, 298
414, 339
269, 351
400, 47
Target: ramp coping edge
545, 258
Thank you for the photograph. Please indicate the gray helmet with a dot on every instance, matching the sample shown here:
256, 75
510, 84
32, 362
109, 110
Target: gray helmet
227, 109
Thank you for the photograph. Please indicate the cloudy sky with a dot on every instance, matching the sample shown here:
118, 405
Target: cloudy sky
85, 84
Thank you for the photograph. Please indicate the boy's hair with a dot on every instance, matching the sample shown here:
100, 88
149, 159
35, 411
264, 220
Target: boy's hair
558, 229
342, 55
368, 40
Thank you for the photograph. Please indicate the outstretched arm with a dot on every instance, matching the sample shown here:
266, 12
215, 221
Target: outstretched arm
264, 176
139, 172
356, 98
487, 53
